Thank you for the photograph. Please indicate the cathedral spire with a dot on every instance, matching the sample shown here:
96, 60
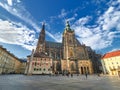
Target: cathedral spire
43, 26
42, 34
41, 40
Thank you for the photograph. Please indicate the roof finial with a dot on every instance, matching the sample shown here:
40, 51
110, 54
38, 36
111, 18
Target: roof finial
43, 25
67, 25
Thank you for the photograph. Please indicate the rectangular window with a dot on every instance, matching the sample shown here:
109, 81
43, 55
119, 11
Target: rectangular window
32, 63
44, 69
39, 69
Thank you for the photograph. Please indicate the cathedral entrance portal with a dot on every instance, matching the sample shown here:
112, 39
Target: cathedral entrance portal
84, 70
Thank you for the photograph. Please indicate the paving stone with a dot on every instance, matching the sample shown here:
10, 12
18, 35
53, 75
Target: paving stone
39, 82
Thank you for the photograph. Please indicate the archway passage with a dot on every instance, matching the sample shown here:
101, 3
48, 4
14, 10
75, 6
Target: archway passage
72, 67
82, 71
58, 67
85, 70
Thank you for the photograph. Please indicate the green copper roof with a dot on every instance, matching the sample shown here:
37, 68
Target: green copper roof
68, 27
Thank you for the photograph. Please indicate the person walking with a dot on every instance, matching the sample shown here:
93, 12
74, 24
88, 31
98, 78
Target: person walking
68, 74
71, 75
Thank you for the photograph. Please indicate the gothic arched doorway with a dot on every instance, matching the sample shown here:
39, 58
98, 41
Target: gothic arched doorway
58, 67
72, 67
82, 72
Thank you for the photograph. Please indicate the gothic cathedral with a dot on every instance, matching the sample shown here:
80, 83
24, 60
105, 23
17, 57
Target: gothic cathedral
51, 57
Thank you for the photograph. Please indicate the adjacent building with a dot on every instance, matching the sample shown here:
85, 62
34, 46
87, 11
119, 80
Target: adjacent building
22, 66
53, 57
8, 62
111, 63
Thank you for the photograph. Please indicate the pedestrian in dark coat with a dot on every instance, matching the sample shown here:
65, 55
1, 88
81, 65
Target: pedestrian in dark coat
71, 75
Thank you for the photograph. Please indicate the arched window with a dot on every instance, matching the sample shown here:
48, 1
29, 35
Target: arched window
82, 72
71, 52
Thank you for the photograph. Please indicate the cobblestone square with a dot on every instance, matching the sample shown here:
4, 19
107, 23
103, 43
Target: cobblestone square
39, 82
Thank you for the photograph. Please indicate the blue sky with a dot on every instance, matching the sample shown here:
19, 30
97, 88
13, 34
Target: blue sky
96, 23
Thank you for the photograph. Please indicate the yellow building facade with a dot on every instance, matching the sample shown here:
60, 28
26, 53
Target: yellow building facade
8, 62
111, 63
22, 67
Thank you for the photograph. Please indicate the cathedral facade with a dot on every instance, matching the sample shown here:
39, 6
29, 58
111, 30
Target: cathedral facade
69, 56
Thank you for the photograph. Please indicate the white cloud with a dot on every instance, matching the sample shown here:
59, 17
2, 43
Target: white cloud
62, 14
71, 18
94, 38
20, 12
115, 49
110, 19
100, 35
18, 1
83, 20
57, 36
18, 34
10, 2
113, 3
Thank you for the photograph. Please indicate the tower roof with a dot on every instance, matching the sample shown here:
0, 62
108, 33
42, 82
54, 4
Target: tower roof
42, 34
111, 54
43, 26
68, 26
41, 40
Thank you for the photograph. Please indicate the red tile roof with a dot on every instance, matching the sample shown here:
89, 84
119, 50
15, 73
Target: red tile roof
111, 54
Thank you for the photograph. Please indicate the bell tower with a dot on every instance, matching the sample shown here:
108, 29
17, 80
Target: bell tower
68, 42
